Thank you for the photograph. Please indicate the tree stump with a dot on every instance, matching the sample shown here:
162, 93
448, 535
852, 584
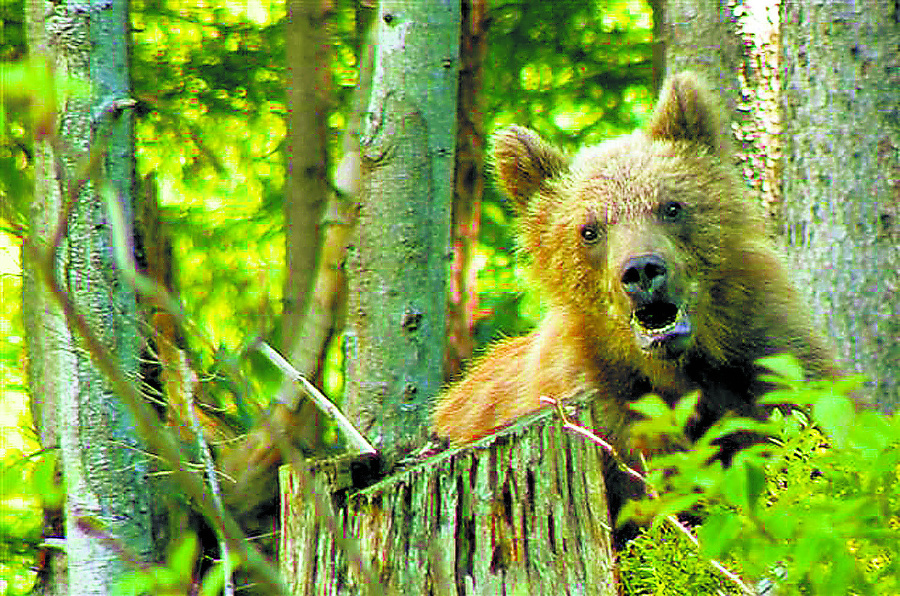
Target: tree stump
521, 512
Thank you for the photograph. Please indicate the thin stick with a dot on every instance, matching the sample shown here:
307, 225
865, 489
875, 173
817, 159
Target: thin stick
206, 457
591, 436
354, 436
608, 448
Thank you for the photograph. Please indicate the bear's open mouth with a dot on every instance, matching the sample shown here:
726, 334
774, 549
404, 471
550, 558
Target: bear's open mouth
662, 328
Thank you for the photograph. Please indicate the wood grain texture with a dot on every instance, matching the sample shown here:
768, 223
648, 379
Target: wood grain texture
523, 511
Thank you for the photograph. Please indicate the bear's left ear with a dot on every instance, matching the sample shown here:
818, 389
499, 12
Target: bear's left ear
688, 110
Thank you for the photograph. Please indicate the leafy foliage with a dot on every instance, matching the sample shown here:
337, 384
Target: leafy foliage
663, 562
176, 575
576, 72
210, 82
23, 477
816, 509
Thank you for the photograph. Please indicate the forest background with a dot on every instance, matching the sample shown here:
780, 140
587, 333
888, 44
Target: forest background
212, 143
211, 136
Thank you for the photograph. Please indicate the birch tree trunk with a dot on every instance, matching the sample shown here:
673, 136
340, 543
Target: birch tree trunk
51, 358
841, 176
108, 507
398, 262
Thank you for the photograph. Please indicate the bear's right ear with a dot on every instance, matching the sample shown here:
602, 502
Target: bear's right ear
523, 161
688, 110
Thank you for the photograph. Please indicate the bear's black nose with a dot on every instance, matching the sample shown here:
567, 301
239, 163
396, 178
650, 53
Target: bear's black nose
645, 278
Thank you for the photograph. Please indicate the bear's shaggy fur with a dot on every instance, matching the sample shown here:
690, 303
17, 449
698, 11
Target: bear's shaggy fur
658, 273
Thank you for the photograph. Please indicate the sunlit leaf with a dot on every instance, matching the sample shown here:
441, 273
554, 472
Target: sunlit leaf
717, 533
836, 416
651, 406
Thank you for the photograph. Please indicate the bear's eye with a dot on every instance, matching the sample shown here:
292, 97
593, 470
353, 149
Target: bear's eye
672, 211
589, 234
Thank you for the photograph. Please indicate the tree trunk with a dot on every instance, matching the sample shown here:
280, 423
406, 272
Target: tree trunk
700, 35
818, 143
107, 508
51, 363
51, 360
398, 264
304, 324
841, 176
522, 513
468, 187
307, 188
253, 462
735, 46
326, 300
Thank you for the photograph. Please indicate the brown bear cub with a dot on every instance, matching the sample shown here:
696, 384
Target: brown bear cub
658, 275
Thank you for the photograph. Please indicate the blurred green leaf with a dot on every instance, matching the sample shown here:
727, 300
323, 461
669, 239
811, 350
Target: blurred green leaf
717, 533
835, 414
786, 367
183, 557
651, 406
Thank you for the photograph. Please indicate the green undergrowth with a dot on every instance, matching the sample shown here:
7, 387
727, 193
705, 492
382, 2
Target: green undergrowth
815, 510
661, 561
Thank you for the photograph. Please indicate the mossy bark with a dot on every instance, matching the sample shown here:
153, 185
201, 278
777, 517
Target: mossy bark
521, 512
399, 259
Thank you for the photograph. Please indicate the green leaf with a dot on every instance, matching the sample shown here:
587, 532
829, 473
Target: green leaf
728, 426
849, 384
809, 547
651, 406
184, 555
685, 408
786, 367
872, 433
835, 414
841, 569
214, 579
135, 584
46, 481
756, 484
778, 397
717, 534
709, 476
743, 485
781, 524
676, 504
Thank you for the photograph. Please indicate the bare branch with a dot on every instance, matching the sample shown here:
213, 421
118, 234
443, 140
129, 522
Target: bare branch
354, 436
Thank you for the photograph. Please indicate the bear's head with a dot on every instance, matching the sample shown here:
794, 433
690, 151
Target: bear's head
642, 240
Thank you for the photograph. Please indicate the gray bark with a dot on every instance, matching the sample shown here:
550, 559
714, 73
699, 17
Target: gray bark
733, 46
841, 176
398, 263
108, 521
51, 359
700, 35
